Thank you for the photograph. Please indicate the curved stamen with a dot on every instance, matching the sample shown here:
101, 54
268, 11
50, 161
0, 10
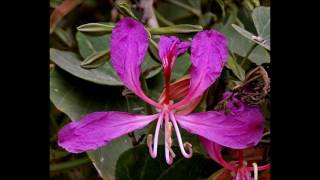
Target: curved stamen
153, 151
261, 168
255, 171
187, 145
168, 141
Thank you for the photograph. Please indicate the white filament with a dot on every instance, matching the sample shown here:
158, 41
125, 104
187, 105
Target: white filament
255, 171
168, 140
153, 151
181, 145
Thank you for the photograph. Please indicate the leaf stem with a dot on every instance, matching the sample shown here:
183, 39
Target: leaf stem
69, 164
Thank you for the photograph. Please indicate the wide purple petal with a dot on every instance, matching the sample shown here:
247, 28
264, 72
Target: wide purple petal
209, 53
171, 46
99, 128
129, 43
237, 130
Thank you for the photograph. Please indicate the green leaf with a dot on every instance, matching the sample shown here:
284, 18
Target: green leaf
222, 6
91, 44
207, 18
259, 56
176, 29
96, 28
218, 174
237, 43
240, 45
237, 70
162, 20
96, 60
261, 19
251, 36
65, 36
124, 8
153, 50
70, 62
197, 167
69, 164
175, 13
194, 10
150, 67
181, 66
96, 46
156, 85
76, 98
136, 163
57, 154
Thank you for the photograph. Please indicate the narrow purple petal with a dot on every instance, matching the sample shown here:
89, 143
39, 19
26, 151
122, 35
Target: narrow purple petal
129, 43
172, 45
99, 128
209, 53
237, 130
169, 49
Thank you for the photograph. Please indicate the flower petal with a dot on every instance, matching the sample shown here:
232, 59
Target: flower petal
209, 53
171, 46
214, 152
178, 90
129, 43
99, 128
169, 49
237, 130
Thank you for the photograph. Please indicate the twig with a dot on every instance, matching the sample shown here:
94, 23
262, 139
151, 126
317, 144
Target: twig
69, 164
148, 13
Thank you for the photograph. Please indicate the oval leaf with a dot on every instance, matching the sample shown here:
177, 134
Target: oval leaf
76, 98
237, 70
96, 60
94, 46
259, 56
197, 167
89, 45
262, 42
136, 163
70, 62
176, 29
261, 20
96, 28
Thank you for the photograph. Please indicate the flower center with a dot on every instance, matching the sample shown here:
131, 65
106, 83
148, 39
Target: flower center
167, 116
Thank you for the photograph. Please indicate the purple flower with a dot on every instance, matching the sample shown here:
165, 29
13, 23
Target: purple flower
249, 114
240, 169
129, 43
